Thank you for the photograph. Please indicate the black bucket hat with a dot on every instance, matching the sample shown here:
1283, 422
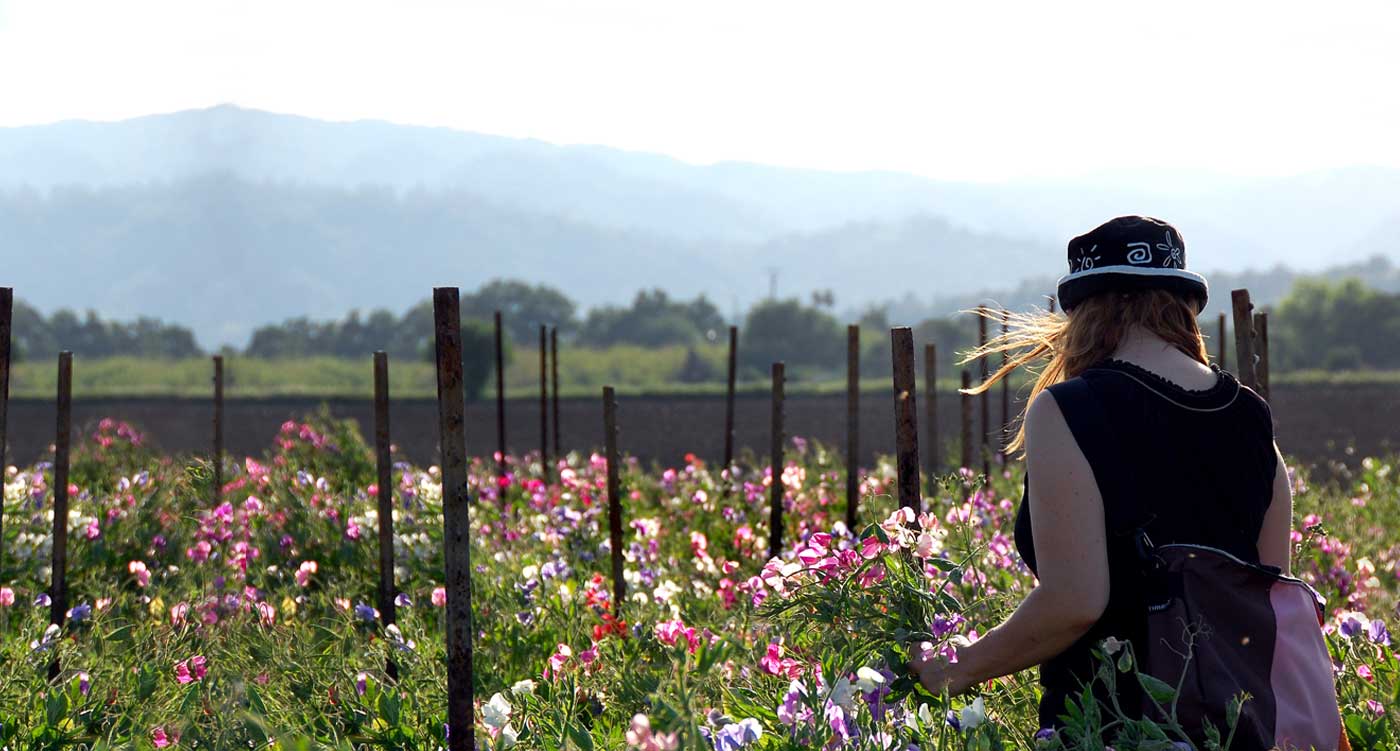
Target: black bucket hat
1128, 253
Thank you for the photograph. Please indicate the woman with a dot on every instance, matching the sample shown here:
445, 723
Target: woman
1195, 446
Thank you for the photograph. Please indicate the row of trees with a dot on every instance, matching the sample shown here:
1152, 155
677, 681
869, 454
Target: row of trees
36, 336
1320, 324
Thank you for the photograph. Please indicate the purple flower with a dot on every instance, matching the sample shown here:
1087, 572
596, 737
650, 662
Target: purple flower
737, 735
1045, 734
1378, 633
953, 720
360, 683
402, 601
43, 600
80, 612
84, 683
1351, 626
366, 613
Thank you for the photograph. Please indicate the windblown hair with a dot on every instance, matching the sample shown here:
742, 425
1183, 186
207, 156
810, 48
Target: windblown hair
1055, 347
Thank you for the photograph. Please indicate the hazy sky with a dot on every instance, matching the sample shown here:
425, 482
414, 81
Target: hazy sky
966, 90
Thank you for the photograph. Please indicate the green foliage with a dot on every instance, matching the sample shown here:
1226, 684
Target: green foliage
653, 320
41, 338
523, 307
788, 331
1342, 325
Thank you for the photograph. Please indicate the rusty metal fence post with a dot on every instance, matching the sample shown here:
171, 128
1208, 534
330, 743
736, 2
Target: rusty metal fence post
7, 300
447, 320
775, 487
218, 458
384, 497
966, 404
614, 498
58, 578
1244, 337
906, 417
852, 426
1261, 351
933, 457
729, 398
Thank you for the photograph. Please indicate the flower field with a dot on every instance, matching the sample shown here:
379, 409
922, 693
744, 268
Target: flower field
252, 622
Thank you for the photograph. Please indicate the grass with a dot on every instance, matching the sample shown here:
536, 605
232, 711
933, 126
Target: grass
633, 371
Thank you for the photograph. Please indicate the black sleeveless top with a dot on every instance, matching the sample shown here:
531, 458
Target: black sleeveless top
1201, 467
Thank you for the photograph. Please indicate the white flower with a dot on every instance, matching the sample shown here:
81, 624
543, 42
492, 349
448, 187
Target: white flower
523, 688
529, 572
868, 679
843, 695
974, 714
496, 713
1112, 645
508, 736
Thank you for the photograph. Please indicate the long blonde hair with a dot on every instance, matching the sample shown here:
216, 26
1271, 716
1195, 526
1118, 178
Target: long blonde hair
1055, 347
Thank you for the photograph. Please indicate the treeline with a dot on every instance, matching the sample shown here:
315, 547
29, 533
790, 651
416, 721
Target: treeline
1319, 325
36, 336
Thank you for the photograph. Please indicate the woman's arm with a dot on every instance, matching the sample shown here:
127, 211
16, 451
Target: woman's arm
1275, 541
1067, 521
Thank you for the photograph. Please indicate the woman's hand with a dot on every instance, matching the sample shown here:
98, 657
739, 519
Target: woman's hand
937, 674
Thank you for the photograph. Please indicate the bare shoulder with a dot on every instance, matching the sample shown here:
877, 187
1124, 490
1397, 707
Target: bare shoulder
1044, 420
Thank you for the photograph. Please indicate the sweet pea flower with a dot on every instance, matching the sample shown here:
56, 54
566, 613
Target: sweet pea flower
1378, 633
439, 597
641, 737
366, 613
558, 660
973, 714
524, 687
7, 597
495, 714
159, 738
138, 570
868, 679
80, 612
304, 572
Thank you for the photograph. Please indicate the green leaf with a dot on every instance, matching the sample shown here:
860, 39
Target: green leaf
56, 708
1160, 691
191, 700
145, 683
579, 735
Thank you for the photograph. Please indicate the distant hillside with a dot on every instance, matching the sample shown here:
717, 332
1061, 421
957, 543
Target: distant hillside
222, 255
226, 218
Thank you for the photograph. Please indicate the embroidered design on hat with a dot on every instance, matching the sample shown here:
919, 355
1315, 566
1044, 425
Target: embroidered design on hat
1173, 259
1085, 261
1139, 254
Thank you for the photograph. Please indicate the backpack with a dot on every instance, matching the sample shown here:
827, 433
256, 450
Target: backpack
1219, 627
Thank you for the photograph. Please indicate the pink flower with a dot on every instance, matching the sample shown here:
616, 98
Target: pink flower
199, 553
159, 738
872, 576
587, 656
93, 531
439, 597
1364, 671
182, 672
871, 547
558, 660
193, 669
267, 615
772, 662
138, 570
7, 597
178, 613
304, 572
640, 737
